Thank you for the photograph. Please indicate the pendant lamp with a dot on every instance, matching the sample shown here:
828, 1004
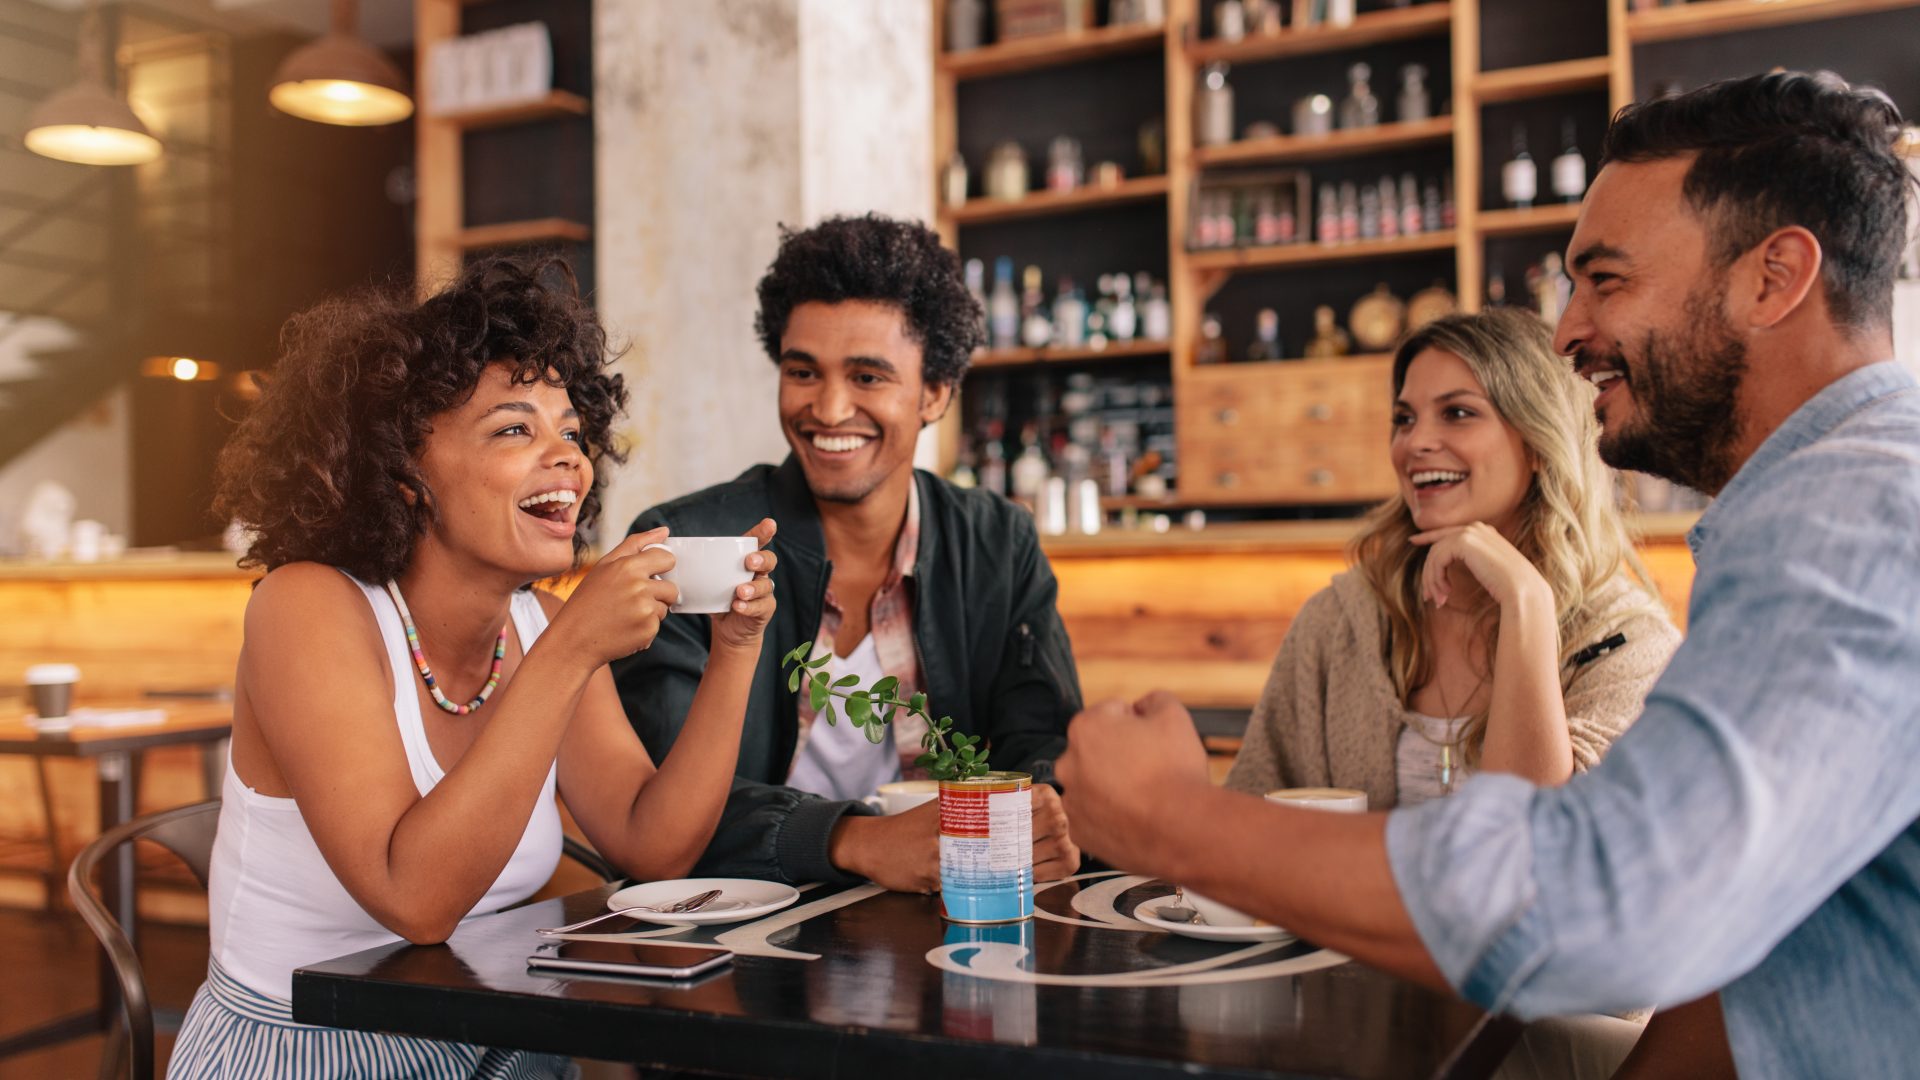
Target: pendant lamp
86, 123
341, 79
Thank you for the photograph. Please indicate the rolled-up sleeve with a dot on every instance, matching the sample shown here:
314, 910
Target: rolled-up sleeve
1773, 762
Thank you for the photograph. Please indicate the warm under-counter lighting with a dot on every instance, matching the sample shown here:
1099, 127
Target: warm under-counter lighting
183, 368
85, 123
341, 79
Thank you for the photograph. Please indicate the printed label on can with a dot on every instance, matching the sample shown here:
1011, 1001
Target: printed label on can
986, 850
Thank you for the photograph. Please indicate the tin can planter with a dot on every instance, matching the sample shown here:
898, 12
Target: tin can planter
986, 848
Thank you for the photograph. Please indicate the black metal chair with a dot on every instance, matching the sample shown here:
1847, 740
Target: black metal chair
187, 832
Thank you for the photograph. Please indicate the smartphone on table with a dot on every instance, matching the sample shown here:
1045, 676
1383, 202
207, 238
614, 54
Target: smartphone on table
636, 960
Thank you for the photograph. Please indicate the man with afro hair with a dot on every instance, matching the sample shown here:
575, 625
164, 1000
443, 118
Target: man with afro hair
892, 570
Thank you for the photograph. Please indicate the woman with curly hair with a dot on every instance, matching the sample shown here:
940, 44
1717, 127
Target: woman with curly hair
406, 706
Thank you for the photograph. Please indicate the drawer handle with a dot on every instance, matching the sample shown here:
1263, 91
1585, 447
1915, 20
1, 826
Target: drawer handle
1228, 416
1320, 477
1229, 479
1319, 410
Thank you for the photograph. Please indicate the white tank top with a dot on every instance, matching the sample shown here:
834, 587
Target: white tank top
274, 903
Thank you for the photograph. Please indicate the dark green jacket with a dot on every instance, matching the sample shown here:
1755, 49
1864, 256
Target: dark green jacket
993, 655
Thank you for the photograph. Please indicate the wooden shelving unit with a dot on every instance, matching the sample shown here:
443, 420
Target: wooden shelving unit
517, 233
556, 104
1542, 80
1284, 256
1130, 350
1372, 28
1556, 218
1053, 50
1195, 278
442, 234
1039, 203
1386, 138
1726, 16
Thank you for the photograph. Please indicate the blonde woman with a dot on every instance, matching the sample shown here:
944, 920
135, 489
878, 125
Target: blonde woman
1497, 618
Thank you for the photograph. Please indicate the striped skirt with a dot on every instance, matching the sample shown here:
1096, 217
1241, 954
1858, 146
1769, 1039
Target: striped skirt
232, 1032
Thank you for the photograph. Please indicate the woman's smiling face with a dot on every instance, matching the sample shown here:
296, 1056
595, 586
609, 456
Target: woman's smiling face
1456, 459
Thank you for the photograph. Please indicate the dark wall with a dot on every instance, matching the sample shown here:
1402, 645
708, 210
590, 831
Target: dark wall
311, 218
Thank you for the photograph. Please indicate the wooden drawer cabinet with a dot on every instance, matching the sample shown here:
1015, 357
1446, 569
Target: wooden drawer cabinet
1307, 432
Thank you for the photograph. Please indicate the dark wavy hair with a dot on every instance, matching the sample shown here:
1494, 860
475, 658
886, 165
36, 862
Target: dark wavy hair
1788, 148
317, 469
884, 260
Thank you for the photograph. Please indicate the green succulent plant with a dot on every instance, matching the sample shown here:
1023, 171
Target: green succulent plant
948, 754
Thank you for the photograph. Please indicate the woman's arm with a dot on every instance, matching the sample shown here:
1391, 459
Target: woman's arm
654, 822
417, 864
1526, 732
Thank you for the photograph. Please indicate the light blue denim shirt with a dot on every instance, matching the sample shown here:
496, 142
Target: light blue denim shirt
1755, 831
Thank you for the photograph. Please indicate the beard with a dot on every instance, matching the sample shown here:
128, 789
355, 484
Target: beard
1684, 385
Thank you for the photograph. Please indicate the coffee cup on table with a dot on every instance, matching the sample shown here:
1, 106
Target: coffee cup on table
1340, 800
51, 688
707, 569
903, 795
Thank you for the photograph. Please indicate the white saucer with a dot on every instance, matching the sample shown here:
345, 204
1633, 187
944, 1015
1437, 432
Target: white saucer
1149, 912
740, 898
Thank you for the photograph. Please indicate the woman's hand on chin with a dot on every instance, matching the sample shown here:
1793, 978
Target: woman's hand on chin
1481, 551
753, 603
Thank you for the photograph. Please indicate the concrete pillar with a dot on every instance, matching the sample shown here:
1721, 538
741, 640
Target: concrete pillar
714, 125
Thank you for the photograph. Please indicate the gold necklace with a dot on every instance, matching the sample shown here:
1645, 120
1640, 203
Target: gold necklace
1446, 766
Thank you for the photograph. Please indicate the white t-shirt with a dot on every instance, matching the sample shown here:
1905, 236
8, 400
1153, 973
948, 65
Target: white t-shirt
836, 760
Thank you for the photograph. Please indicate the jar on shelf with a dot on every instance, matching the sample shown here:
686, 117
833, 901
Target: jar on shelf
1065, 170
1213, 108
1007, 172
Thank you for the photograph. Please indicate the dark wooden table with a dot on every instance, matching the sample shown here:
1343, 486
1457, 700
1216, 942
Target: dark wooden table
115, 753
860, 983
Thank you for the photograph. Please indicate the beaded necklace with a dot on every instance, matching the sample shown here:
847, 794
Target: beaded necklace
420, 660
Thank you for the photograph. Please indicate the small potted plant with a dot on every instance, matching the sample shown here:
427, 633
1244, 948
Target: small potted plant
986, 817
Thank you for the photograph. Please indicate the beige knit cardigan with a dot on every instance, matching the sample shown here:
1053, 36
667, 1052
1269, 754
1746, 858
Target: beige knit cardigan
1329, 716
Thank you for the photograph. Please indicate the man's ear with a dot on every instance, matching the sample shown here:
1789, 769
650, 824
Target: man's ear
935, 400
1785, 269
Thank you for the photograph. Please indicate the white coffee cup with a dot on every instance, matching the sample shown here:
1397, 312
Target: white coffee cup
902, 795
1340, 800
708, 569
51, 688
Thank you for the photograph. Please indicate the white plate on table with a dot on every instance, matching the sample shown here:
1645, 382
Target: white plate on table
740, 898
1149, 912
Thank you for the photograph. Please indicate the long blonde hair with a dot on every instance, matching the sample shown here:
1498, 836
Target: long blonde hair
1569, 526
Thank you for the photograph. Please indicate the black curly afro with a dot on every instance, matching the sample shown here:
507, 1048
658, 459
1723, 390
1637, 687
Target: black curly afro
883, 260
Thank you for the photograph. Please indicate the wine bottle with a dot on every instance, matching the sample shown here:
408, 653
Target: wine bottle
1519, 178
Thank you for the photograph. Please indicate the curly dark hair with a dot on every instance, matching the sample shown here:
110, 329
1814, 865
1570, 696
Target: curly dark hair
316, 470
1788, 148
884, 260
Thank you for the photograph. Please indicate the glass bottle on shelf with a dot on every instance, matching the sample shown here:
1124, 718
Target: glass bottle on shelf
1369, 212
1410, 212
1036, 330
1007, 172
1389, 209
993, 460
1360, 109
1065, 169
1415, 102
953, 181
1124, 320
1339, 12
1266, 337
1327, 226
1113, 463
1156, 315
1266, 223
1213, 348
1570, 168
1286, 226
1003, 307
1519, 178
1229, 20
1554, 289
1030, 469
1349, 212
1069, 316
1263, 16
1496, 285
1430, 210
1213, 107
966, 24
